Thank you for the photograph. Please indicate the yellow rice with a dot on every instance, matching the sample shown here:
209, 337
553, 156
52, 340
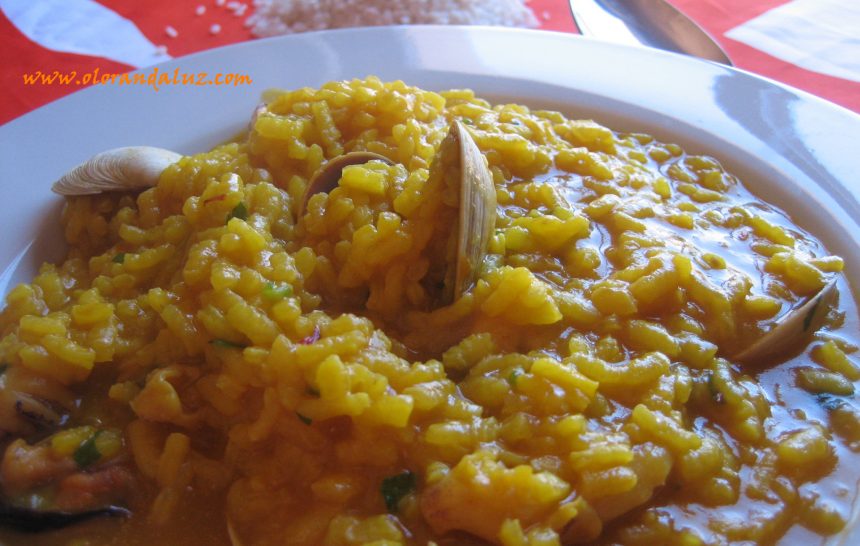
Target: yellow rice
282, 368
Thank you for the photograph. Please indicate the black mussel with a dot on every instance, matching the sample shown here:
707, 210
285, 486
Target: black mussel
34, 521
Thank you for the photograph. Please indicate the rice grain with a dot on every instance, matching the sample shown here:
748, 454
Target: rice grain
275, 17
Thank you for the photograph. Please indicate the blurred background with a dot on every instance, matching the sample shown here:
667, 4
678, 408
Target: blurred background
813, 45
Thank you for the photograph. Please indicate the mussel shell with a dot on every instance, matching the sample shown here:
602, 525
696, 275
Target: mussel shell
34, 521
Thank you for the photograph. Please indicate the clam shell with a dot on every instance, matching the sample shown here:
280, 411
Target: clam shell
121, 169
798, 324
477, 212
327, 177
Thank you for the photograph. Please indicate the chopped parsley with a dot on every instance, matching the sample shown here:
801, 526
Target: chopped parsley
277, 292
119, 258
716, 394
394, 488
829, 402
227, 344
87, 453
303, 419
512, 378
240, 211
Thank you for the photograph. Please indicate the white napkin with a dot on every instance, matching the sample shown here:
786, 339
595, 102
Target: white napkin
84, 27
818, 35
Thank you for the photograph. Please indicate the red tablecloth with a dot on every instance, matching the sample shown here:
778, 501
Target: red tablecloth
19, 55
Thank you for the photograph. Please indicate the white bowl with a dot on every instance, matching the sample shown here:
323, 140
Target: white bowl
794, 150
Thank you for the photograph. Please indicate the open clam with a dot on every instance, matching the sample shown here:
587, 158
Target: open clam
465, 170
139, 167
327, 177
477, 214
120, 169
798, 324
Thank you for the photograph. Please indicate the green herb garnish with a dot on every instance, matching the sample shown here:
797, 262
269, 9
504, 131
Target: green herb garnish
277, 292
119, 258
303, 419
512, 378
87, 453
394, 488
829, 402
716, 394
227, 344
240, 211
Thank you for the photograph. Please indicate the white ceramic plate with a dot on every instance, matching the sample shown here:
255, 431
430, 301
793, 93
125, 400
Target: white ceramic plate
791, 148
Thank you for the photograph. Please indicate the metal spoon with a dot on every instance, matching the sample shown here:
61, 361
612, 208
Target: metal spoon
653, 23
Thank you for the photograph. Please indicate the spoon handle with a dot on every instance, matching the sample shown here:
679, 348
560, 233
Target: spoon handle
653, 23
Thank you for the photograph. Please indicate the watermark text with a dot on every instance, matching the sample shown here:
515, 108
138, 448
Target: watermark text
155, 78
